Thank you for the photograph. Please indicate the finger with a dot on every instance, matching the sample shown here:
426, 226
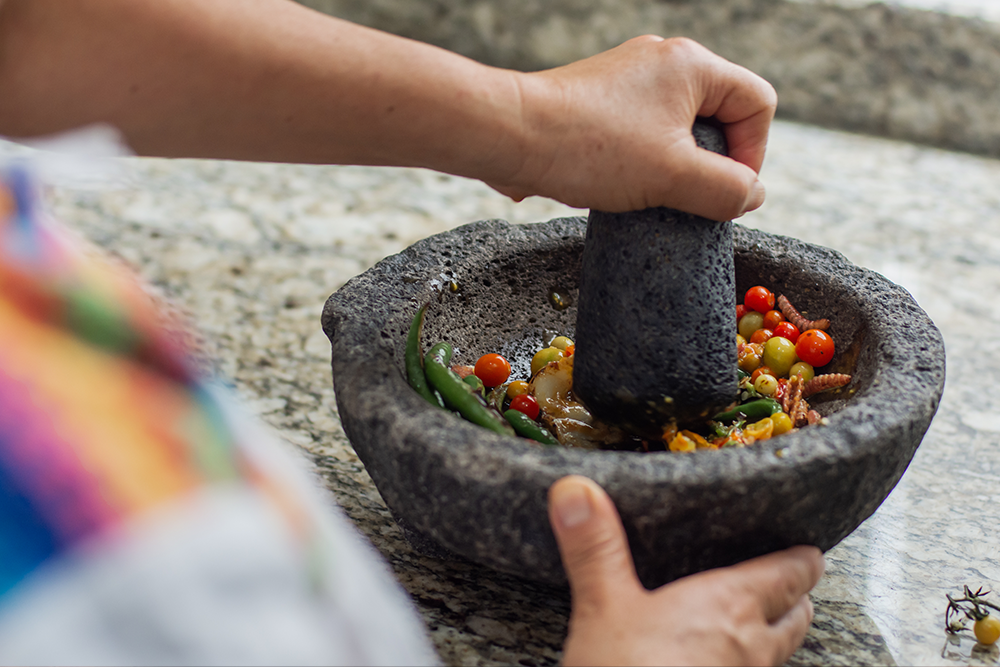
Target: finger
713, 186
745, 103
779, 580
591, 541
747, 139
788, 631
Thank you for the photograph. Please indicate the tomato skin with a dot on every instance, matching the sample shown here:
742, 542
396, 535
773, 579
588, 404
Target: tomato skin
772, 319
782, 423
761, 336
516, 388
492, 369
741, 310
527, 404
544, 357
787, 330
815, 347
779, 355
760, 299
987, 630
749, 323
803, 369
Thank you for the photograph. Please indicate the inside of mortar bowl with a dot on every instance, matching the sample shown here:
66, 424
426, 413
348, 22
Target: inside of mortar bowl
516, 303
495, 287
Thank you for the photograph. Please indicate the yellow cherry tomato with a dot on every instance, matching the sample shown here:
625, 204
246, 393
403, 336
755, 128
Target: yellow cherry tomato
802, 368
750, 323
761, 430
766, 384
779, 355
542, 358
517, 388
699, 441
561, 342
682, 443
749, 358
782, 423
987, 630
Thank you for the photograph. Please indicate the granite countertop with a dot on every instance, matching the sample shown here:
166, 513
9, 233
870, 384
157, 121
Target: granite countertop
253, 250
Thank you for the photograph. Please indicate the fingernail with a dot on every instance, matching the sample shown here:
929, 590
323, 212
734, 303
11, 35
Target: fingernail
571, 503
756, 197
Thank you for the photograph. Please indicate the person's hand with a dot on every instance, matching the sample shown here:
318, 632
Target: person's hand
753, 613
613, 132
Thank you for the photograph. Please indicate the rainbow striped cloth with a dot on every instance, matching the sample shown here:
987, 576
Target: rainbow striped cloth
103, 414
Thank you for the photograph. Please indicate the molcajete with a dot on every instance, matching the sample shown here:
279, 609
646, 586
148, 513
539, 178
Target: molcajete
496, 287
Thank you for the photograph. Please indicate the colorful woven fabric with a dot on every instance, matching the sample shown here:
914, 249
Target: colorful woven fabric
102, 413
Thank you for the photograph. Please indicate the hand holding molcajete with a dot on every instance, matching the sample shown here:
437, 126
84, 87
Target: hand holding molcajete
753, 613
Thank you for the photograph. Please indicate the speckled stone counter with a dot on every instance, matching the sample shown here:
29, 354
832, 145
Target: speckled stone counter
253, 250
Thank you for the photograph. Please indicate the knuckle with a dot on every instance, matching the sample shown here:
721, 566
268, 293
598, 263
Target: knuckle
742, 645
684, 47
647, 39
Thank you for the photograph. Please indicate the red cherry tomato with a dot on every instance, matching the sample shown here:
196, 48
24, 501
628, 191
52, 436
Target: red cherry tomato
761, 336
787, 330
772, 318
525, 403
492, 369
741, 310
815, 347
760, 299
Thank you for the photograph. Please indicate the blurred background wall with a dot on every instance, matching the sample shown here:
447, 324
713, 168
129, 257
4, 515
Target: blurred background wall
882, 69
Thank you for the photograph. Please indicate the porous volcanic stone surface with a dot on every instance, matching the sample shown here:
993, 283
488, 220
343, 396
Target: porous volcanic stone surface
655, 327
482, 495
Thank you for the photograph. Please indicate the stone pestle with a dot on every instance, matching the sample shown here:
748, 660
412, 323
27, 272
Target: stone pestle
656, 325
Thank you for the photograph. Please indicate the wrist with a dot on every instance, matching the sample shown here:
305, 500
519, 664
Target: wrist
525, 153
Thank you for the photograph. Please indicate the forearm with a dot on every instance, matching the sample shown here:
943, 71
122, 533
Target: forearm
252, 79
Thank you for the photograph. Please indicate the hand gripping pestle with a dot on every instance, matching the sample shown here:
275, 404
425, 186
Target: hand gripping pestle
656, 324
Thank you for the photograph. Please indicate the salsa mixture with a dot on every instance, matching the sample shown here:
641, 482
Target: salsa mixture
778, 352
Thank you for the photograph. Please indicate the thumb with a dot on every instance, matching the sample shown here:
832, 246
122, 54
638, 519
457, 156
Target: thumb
591, 541
715, 186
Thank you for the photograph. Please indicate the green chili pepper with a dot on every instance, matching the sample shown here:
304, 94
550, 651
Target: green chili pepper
497, 396
477, 384
458, 395
414, 361
753, 411
528, 428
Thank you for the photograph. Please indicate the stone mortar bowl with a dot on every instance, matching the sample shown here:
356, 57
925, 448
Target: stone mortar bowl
496, 287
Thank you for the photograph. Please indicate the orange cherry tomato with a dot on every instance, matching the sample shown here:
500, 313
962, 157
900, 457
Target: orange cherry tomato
772, 319
815, 347
741, 310
761, 370
761, 336
492, 369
